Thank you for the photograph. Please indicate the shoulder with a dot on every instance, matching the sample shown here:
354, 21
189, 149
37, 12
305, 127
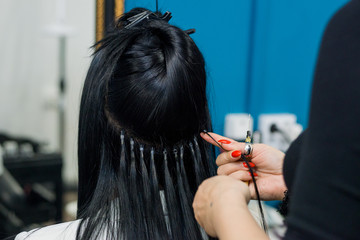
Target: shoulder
66, 230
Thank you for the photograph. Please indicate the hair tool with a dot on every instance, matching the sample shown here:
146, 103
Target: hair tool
248, 146
246, 158
138, 18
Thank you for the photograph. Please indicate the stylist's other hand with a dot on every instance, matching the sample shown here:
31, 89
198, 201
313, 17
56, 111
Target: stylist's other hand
216, 200
265, 160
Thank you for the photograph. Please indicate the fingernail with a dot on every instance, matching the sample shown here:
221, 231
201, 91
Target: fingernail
236, 154
255, 174
250, 163
224, 141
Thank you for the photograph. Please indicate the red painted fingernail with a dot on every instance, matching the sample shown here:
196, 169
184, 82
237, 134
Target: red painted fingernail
255, 174
224, 141
250, 163
236, 154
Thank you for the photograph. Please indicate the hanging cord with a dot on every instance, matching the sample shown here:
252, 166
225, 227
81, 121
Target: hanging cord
253, 179
157, 6
257, 193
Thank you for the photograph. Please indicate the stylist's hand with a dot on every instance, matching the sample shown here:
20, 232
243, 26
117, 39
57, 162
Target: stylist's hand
220, 207
216, 199
268, 164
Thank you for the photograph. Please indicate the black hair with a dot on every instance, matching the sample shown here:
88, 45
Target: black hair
140, 155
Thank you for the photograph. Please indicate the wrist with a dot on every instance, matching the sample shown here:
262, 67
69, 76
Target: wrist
227, 212
226, 202
280, 190
235, 222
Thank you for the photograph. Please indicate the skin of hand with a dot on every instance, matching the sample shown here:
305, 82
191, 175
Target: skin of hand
220, 207
268, 166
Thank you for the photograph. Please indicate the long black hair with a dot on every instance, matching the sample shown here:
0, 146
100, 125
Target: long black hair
140, 155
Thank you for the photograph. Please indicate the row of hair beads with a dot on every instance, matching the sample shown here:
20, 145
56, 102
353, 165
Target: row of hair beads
194, 153
177, 151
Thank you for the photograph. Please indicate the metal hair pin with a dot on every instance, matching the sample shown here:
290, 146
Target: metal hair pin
136, 19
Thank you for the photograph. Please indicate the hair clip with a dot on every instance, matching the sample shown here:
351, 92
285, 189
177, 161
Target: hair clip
137, 18
166, 16
190, 31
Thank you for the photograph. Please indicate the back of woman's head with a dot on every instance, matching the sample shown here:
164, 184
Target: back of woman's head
142, 109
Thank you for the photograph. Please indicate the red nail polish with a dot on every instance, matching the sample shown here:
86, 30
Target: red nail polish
236, 154
224, 141
250, 163
255, 174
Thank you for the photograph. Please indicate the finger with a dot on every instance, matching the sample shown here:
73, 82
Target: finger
241, 175
232, 167
224, 142
227, 157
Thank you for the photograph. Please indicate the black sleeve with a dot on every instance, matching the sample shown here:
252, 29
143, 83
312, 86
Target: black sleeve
291, 160
289, 170
325, 198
